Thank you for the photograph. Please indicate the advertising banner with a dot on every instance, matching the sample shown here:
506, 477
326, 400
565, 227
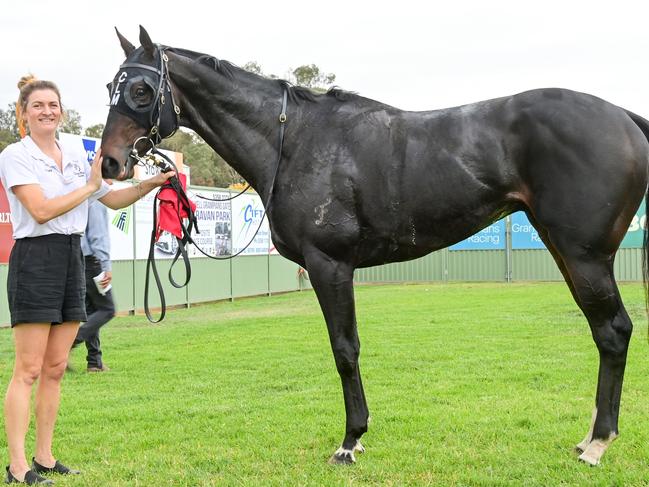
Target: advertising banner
6, 231
214, 220
248, 215
635, 233
165, 247
137, 218
121, 229
524, 235
489, 238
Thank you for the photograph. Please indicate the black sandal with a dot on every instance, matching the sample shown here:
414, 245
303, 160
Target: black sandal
57, 468
31, 478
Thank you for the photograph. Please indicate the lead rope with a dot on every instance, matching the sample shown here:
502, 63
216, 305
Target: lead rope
176, 186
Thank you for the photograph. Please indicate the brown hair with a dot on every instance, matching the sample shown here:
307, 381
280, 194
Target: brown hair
27, 85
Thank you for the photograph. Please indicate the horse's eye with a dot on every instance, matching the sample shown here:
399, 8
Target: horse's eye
141, 95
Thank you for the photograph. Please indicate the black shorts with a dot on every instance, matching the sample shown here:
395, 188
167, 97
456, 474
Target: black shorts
46, 282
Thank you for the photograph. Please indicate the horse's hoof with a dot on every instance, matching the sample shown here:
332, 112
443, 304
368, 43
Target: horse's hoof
342, 457
595, 450
581, 447
589, 459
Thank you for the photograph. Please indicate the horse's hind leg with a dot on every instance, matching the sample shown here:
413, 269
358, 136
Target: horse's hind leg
598, 297
333, 284
583, 445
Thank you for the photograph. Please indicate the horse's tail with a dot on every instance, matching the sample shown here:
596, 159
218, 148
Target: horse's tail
643, 124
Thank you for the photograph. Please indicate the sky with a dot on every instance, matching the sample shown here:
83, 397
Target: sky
414, 55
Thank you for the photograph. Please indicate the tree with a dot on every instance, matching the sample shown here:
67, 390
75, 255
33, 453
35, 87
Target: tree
208, 168
307, 75
8, 127
6, 138
253, 67
310, 76
95, 131
71, 123
8, 119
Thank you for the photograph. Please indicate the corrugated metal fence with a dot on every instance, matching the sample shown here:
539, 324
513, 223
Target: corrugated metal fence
267, 274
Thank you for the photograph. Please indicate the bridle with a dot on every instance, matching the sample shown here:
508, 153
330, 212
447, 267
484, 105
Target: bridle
159, 129
153, 156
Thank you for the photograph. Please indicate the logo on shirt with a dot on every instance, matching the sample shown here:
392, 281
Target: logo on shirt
77, 170
122, 220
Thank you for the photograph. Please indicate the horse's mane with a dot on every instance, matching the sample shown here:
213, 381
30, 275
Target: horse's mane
296, 93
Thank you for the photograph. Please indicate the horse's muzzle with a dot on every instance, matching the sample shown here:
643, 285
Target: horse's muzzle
110, 168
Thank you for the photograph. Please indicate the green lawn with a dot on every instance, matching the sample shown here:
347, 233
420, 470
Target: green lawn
467, 384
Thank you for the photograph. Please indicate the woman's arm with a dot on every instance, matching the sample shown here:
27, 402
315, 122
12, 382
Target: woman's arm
44, 209
122, 198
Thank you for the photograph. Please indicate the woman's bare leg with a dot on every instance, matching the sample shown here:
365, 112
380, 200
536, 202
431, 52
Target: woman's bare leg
48, 393
31, 340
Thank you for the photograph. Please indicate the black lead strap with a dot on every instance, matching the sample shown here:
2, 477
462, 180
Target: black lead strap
185, 205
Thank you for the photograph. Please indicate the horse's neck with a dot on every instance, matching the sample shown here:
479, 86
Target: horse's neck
238, 120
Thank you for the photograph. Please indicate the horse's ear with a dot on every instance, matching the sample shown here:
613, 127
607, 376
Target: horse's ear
126, 45
146, 42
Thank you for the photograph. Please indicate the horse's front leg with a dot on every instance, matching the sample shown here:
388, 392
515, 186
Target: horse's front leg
333, 284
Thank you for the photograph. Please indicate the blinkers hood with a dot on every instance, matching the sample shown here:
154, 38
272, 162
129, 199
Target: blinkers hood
143, 93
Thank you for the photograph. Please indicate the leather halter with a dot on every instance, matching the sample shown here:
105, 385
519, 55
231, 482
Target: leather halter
159, 128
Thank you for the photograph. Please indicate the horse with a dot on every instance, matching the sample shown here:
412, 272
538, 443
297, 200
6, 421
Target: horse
349, 182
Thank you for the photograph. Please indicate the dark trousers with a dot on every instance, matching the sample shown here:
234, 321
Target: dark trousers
100, 310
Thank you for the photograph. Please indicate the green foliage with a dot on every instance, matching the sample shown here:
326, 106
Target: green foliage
6, 138
8, 127
71, 123
207, 167
8, 119
96, 131
253, 67
467, 384
307, 75
310, 76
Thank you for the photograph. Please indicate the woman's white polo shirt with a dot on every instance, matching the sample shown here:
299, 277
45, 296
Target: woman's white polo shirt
24, 163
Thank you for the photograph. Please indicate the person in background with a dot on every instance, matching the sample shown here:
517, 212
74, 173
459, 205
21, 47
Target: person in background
48, 185
100, 307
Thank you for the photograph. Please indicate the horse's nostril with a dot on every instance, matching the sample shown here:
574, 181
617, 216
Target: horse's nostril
110, 168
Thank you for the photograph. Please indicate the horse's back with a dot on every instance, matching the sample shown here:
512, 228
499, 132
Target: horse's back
583, 167
395, 185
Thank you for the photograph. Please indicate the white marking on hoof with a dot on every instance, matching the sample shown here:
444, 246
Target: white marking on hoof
595, 449
581, 447
342, 456
358, 447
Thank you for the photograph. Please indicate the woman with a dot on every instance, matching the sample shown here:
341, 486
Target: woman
48, 186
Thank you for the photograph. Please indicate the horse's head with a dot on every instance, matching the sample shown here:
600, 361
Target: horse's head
142, 108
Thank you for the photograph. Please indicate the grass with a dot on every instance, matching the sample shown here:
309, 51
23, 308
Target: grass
467, 384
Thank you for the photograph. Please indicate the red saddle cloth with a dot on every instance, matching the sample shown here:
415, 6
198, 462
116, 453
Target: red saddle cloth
170, 209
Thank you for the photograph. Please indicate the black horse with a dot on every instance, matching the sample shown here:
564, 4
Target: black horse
349, 182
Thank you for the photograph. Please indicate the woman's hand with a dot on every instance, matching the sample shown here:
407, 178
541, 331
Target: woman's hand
160, 179
121, 198
95, 172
